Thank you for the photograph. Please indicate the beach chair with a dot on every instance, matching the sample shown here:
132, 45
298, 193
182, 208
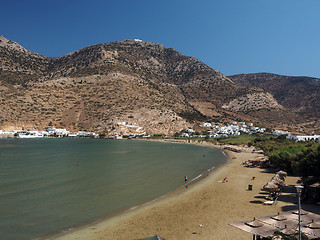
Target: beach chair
272, 202
268, 202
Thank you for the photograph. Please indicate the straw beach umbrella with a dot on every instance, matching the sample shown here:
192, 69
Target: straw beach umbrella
289, 231
306, 217
271, 187
256, 227
279, 178
255, 223
313, 225
279, 217
286, 222
312, 230
277, 181
310, 233
280, 221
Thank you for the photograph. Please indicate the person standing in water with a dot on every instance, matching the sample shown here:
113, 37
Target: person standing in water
186, 180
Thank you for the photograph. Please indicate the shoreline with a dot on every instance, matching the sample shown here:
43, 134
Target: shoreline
201, 211
119, 213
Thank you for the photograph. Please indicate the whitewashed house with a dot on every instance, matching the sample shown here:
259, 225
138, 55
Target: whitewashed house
60, 132
206, 124
304, 138
189, 130
280, 132
184, 134
72, 135
30, 134
86, 134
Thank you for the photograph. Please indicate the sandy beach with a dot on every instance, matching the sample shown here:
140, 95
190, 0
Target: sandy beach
201, 211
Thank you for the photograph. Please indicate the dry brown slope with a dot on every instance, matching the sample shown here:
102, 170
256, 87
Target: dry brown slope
94, 103
137, 82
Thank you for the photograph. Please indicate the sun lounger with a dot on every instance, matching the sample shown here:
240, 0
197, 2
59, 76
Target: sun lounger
268, 203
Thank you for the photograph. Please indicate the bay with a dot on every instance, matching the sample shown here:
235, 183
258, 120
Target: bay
48, 186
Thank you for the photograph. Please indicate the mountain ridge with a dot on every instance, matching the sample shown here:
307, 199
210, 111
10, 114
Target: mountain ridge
143, 83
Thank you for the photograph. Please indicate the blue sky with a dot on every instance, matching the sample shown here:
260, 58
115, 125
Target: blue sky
232, 36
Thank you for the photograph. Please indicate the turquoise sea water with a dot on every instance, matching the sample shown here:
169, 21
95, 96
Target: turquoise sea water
48, 186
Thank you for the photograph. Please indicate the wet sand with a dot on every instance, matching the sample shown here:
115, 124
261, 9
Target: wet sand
201, 211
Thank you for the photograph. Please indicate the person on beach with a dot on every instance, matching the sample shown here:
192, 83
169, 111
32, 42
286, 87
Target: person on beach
225, 179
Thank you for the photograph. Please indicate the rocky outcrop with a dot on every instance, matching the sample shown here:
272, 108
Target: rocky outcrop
253, 102
299, 94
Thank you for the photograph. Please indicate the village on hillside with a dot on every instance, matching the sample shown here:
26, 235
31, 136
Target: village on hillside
49, 132
208, 130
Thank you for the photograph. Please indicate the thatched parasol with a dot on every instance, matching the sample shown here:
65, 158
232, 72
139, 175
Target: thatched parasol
306, 217
277, 181
280, 221
312, 232
271, 187
313, 225
289, 231
302, 212
256, 227
254, 223
286, 222
282, 174
279, 217
279, 178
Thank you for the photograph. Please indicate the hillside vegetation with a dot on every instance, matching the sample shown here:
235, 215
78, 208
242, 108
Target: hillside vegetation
299, 158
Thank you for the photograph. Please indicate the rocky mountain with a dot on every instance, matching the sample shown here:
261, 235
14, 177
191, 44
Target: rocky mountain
299, 94
154, 88
18, 65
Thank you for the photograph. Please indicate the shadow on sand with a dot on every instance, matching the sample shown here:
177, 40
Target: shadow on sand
256, 202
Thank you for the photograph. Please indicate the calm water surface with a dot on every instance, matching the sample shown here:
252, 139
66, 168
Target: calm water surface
51, 185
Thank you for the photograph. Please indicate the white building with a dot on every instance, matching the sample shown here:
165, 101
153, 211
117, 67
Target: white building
279, 132
257, 130
59, 132
86, 134
304, 138
30, 134
189, 130
72, 134
185, 134
206, 124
